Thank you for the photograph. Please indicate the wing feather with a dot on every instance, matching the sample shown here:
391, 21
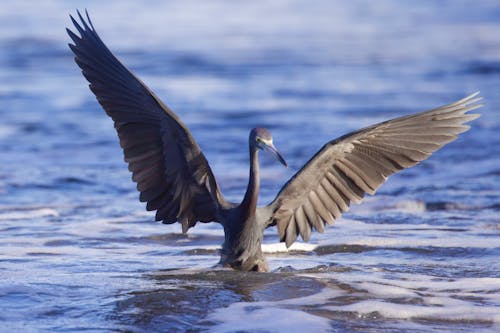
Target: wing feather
347, 168
171, 172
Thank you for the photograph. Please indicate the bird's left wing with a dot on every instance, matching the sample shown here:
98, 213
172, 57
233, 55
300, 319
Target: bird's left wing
358, 163
170, 170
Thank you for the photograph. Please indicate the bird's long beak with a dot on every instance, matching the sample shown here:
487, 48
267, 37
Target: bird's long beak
276, 153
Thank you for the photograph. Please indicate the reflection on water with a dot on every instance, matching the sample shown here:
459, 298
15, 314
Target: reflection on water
185, 298
78, 252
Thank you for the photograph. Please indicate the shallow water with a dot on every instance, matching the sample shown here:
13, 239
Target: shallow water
79, 253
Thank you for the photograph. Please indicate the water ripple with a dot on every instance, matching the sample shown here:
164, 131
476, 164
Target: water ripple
78, 252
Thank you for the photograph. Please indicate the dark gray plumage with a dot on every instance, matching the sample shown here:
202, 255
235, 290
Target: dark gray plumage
174, 178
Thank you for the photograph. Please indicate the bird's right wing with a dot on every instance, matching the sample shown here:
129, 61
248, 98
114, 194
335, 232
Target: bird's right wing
358, 163
170, 170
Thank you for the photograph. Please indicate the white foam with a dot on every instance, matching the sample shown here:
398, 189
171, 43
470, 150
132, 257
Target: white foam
476, 242
355, 232
273, 316
421, 282
454, 310
281, 247
417, 296
28, 214
266, 319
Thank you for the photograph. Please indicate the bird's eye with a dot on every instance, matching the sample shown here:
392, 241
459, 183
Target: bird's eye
259, 140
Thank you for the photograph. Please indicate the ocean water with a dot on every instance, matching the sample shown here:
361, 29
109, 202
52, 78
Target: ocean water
78, 251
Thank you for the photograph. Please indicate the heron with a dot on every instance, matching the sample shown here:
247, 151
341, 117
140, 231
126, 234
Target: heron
175, 180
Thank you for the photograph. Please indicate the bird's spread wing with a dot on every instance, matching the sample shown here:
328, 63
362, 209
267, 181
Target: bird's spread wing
358, 163
170, 170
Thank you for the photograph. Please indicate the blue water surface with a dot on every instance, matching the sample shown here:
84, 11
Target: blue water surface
78, 251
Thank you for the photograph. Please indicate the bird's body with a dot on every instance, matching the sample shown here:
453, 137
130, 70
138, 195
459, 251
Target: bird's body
175, 179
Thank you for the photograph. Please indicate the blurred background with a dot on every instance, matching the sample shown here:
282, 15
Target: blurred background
78, 251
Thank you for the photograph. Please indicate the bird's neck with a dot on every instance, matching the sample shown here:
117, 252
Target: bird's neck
249, 203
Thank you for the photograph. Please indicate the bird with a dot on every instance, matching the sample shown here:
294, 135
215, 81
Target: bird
174, 177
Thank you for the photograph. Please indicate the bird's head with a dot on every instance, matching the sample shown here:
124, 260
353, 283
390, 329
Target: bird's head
262, 139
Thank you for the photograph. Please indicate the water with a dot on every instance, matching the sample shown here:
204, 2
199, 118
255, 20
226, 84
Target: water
79, 253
